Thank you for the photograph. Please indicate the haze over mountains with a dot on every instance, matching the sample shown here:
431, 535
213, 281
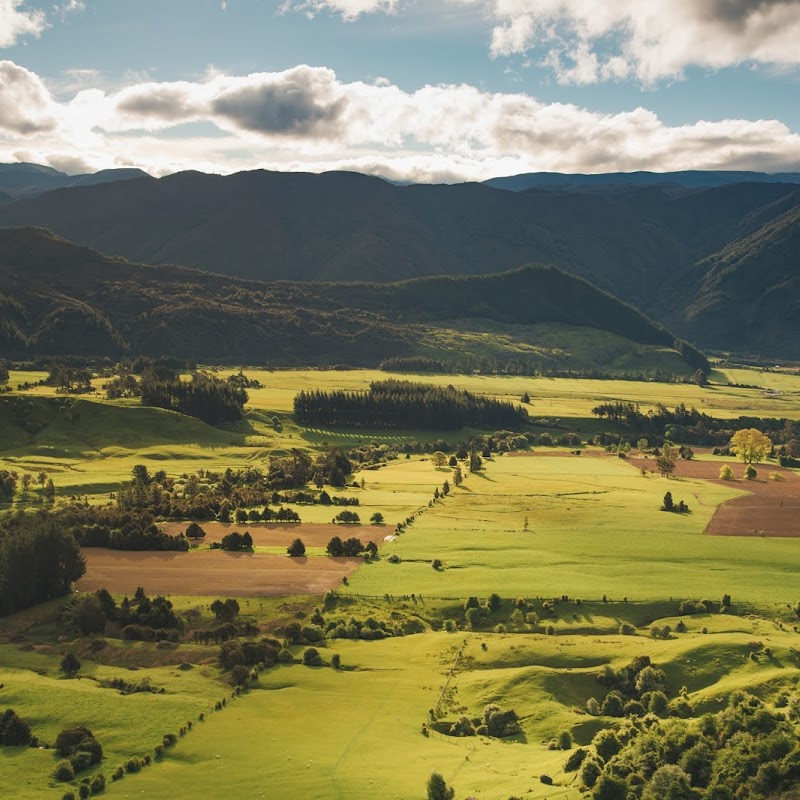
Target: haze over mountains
717, 264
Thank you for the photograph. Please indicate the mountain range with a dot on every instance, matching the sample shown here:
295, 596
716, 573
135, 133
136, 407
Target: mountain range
717, 264
60, 298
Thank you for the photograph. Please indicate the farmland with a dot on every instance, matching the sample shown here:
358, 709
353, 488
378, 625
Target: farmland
573, 534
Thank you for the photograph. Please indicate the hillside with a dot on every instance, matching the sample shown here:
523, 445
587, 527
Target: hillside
650, 245
61, 298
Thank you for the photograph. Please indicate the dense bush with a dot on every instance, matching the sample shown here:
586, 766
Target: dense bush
14, 731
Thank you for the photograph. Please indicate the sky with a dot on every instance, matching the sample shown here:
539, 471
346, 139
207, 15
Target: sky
412, 90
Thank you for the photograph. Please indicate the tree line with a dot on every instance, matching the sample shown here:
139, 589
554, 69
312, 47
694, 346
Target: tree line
208, 398
39, 560
406, 404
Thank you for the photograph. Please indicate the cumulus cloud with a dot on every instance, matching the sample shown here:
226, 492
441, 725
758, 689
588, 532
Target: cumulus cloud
585, 42
306, 118
16, 24
25, 104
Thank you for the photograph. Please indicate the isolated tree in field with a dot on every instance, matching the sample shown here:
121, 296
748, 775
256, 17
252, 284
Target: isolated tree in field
26, 483
725, 473
666, 461
458, 478
296, 548
439, 459
194, 531
438, 788
700, 378
70, 664
750, 445
376, 518
14, 731
668, 504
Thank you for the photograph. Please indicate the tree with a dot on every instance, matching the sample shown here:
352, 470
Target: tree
70, 665
609, 787
668, 504
85, 615
439, 459
475, 462
194, 531
335, 547
725, 473
526, 398
311, 657
669, 782
458, 478
376, 518
296, 548
750, 445
700, 378
14, 731
666, 461
225, 611
438, 788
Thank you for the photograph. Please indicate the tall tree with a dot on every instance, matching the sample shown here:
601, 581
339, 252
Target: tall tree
750, 445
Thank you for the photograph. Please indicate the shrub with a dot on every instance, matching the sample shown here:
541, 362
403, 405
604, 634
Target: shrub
564, 740
494, 603
450, 625
436, 563
240, 675
612, 705
80, 760
133, 765
546, 779
84, 791
285, 656
68, 796
64, 771
750, 473
311, 657
593, 707
169, 740
626, 629
575, 760
606, 744
725, 473
590, 772
336, 661
159, 750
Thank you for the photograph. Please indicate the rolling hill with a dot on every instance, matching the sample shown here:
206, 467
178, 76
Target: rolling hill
60, 298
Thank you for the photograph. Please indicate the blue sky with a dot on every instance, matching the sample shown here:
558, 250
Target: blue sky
440, 90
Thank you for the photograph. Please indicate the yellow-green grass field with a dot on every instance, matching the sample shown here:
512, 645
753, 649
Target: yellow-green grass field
594, 528
356, 732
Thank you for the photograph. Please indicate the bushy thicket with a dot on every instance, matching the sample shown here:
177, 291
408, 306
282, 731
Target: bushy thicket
747, 751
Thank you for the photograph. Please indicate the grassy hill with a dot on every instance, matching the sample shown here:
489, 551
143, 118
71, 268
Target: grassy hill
60, 298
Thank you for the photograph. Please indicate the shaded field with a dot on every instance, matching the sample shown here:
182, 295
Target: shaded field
266, 534
211, 572
770, 507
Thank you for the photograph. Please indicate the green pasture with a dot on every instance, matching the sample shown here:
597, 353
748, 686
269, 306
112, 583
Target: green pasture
594, 528
356, 732
555, 397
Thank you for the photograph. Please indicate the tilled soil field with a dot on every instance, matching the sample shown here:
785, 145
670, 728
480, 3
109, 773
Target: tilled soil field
771, 508
211, 572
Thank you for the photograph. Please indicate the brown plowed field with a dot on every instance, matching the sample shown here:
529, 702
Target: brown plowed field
211, 572
313, 534
772, 508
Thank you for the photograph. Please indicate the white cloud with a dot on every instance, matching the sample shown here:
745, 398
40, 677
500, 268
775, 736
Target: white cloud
585, 41
25, 104
16, 24
348, 9
70, 7
305, 118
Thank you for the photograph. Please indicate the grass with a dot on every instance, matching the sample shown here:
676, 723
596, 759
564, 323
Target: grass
593, 528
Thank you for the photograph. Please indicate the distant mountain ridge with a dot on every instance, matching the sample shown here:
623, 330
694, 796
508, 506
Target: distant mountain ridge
25, 180
688, 179
60, 298
657, 247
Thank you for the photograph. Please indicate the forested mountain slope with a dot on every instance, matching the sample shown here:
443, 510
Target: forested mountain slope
650, 245
60, 298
